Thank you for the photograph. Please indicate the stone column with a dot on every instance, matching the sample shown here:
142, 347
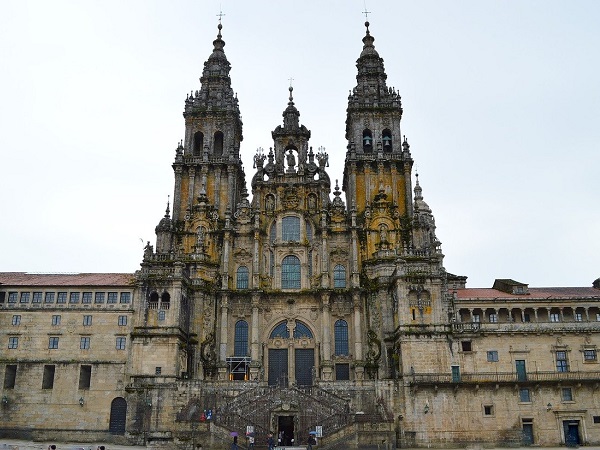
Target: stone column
224, 327
177, 194
192, 177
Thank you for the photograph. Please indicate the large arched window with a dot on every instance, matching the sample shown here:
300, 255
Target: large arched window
290, 229
290, 272
341, 337
240, 345
242, 278
198, 143
218, 147
339, 276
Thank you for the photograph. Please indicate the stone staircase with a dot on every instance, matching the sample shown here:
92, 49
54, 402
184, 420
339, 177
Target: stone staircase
311, 406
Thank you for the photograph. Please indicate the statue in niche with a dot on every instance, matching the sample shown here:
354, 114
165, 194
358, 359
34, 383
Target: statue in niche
200, 239
383, 236
312, 202
291, 160
270, 203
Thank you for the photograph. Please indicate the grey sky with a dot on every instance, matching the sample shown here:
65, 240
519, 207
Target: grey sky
501, 108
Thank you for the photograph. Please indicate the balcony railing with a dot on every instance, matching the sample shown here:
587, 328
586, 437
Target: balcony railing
501, 377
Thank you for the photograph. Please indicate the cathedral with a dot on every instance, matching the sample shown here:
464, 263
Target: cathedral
279, 305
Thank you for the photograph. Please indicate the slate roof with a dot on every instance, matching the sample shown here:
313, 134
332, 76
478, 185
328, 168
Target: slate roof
23, 279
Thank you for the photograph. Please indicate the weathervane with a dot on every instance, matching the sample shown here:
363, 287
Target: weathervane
291, 80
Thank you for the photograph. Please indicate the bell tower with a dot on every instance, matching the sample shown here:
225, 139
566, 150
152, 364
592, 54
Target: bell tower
377, 171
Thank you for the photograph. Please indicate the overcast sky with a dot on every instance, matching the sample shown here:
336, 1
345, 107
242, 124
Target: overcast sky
501, 108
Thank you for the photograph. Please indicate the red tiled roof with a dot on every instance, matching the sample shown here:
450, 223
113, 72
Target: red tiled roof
64, 279
534, 293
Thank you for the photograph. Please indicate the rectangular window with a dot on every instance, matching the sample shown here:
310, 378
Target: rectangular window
74, 297
290, 229
161, 315
49, 298
87, 297
13, 342
2, 296
596, 418
578, 317
84, 343
598, 317
120, 343
524, 396
122, 321
554, 317
53, 342
48, 380
493, 318
55, 320
342, 372
16, 319
466, 346
99, 297
476, 318
87, 321
526, 317
24, 297
562, 364
10, 376
62, 297
125, 297
567, 394
492, 356
12, 297
488, 410
37, 297
112, 297
85, 376
157, 370
589, 355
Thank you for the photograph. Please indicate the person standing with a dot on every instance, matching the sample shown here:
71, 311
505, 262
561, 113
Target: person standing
271, 441
311, 441
234, 445
251, 442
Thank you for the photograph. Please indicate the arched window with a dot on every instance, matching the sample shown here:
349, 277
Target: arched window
386, 138
301, 331
280, 331
290, 229
218, 147
240, 345
154, 297
367, 141
165, 300
242, 278
341, 337
198, 143
339, 276
290, 272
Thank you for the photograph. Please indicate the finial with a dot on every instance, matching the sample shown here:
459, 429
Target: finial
220, 16
366, 13
291, 89
168, 211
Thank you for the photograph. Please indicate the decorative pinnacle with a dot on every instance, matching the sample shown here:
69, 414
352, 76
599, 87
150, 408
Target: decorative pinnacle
291, 89
168, 211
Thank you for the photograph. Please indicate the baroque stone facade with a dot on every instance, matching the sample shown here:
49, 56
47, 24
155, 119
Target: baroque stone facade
297, 311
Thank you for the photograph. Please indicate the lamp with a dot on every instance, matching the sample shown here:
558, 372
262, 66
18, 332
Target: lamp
426, 409
4, 400
81, 401
548, 406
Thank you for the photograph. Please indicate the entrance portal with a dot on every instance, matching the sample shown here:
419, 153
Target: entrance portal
285, 430
571, 428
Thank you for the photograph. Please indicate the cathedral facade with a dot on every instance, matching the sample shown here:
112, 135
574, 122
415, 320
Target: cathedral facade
291, 309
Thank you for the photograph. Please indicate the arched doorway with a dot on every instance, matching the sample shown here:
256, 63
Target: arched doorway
118, 416
291, 353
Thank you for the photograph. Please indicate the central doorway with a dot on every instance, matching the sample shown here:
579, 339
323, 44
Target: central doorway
571, 428
285, 430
